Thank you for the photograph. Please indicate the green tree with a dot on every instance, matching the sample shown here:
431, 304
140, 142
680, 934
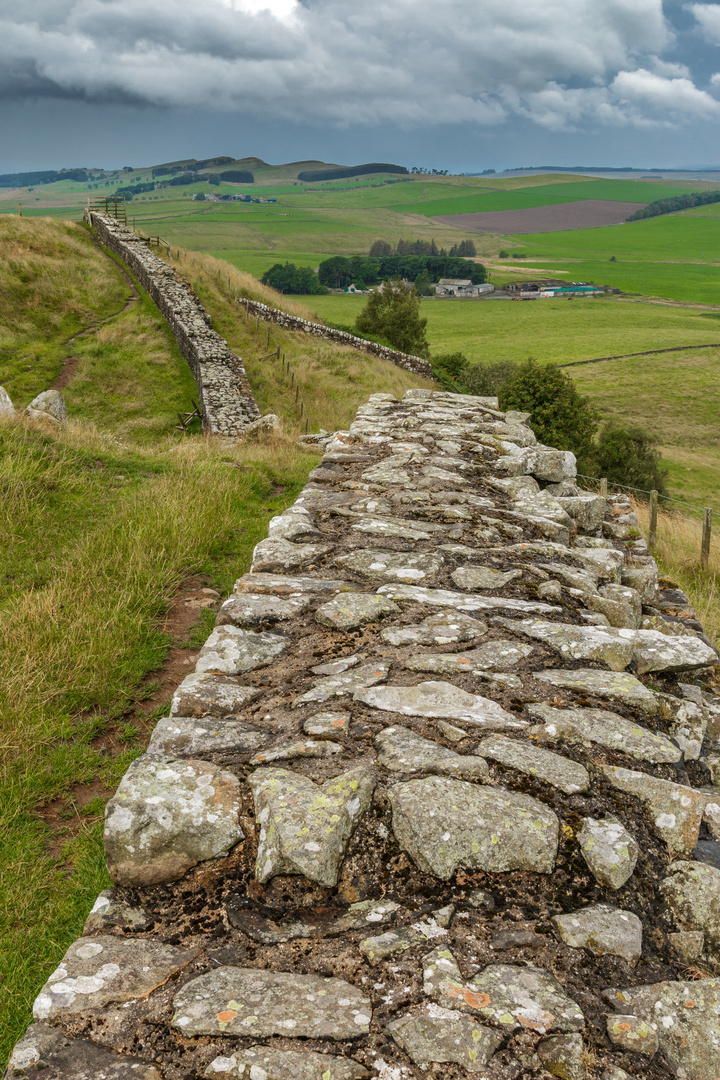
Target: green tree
381, 249
423, 284
336, 273
559, 415
487, 380
392, 312
292, 279
629, 455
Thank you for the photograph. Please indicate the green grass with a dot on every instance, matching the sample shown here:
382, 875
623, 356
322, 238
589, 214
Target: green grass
674, 395
78, 636
676, 237
561, 331
677, 398
130, 377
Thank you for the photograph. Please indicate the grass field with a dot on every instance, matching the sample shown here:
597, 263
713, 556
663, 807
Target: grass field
676, 396
562, 331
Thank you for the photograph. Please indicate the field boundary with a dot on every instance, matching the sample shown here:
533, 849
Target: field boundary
226, 399
341, 337
648, 352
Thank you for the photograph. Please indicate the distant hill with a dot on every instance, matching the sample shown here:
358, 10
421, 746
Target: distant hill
354, 170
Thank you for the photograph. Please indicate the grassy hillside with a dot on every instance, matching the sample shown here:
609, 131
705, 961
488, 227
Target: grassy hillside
71, 311
110, 521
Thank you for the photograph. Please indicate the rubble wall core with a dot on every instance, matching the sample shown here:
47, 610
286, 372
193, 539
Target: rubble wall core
224, 394
416, 364
437, 801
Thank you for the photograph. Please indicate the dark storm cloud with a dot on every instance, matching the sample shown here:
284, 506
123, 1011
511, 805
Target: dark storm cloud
562, 65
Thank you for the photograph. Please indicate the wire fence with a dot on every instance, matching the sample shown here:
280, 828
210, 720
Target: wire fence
654, 497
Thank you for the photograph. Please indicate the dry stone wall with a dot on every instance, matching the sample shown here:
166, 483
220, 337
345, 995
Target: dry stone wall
437, 801
292, 322
226, 400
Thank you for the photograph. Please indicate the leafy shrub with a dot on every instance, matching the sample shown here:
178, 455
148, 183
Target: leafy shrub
452, 365
559, 415
393, 312
293, 279
629, 455
486, 380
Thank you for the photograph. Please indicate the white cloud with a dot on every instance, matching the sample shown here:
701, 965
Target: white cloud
563, 64
708, 15
645, 91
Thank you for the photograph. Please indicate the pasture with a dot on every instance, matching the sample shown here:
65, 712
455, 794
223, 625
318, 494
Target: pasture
559, 331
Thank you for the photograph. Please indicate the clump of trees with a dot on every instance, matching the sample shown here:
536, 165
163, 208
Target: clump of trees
290, 278
363, 270
561, 417
675, 202
238, 176
381, 249
311, 175
392, 313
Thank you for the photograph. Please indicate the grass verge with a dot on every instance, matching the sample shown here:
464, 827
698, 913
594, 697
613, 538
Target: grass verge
678, 555
112, 533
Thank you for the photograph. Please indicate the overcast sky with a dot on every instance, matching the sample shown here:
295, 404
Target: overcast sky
458, 84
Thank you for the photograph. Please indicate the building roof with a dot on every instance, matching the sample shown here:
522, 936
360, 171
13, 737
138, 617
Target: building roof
458, 282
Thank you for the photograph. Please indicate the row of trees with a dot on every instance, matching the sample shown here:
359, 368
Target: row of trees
381, 249
364, 270
675, 202
312, 175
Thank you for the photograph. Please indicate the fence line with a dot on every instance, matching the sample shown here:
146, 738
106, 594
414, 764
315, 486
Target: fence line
648, 352
707, 512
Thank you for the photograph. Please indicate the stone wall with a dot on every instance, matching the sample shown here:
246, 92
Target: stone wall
224, 395
437, 800
292, 322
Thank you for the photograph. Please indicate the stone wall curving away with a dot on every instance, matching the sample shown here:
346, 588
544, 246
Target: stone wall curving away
438, 800
292, 322
225, 398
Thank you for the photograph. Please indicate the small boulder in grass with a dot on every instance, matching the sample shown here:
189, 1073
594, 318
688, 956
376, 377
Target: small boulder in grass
264, 427
50, 405
6, 405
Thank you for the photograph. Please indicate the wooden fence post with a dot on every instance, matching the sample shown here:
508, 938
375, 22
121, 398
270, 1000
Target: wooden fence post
603, 487
705, 548
267, 343
652, 539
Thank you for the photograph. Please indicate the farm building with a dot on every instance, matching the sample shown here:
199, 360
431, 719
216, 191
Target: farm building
551, 287
460, 287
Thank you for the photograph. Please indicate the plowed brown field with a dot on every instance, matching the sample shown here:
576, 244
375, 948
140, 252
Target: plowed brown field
583, 214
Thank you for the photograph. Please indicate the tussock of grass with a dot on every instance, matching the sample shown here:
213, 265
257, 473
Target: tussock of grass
333, 380
678, 555
101, 537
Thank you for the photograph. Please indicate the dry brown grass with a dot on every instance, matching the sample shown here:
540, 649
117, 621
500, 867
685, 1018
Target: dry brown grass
678, 556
